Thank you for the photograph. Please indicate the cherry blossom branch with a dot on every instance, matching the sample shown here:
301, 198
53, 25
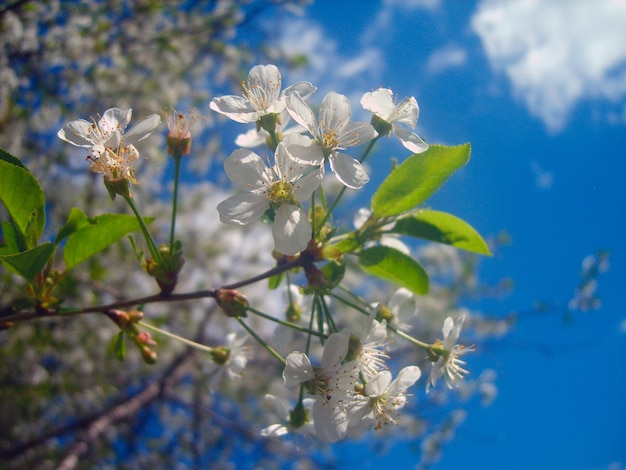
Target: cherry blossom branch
31, 315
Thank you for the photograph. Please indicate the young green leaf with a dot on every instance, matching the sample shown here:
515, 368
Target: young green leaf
101, 232
275, 281
75, 221
22, 196
14, 240
119, 346
28, 263
442, 227
393, 265
417, 178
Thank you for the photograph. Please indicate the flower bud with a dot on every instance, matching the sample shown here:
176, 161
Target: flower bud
121, 318
384, 313
145, 338
166, 274
293, 312
148, 355
299, 416
232, 302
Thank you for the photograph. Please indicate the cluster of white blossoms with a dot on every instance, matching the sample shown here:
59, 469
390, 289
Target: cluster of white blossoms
352, 387
112, 152
278, 190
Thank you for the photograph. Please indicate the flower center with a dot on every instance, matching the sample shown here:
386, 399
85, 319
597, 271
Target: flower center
330, 140
281, 191
261, 95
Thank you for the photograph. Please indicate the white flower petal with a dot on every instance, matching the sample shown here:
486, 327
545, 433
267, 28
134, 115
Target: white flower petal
448, 324
378, 384
379, 102
304, 89
301, 112
356, 133
348, 170
287, 168
246, 170
279, 405
115, 118
331, 421
403, 303
77, 133
308, 154
298, 369
242, 209
237, 108
274, 430
406, 377
406, 113
335, 349
334, 113
252, 138
291, 229
410, 139
142, 129
264, 82
305, 186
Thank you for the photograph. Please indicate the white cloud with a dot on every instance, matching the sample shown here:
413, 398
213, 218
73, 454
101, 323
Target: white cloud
431, 5
329, 69
543, 178
448, 57
557, 53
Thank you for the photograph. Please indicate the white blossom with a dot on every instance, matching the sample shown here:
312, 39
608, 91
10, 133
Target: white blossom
262, 95
403, 306
382, 399
332, 133
280, 188
368, 350
108, 131
332, 383
448, 364
295, 421
230, 359
397, 115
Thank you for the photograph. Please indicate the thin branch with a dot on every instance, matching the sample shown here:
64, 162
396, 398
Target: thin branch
125, 410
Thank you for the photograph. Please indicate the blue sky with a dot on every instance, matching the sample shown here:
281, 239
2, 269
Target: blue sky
539, 89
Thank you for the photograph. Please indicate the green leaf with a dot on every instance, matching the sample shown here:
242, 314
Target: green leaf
101, 232
7, 157
75, 221
334, 272
274, 281
417, 178
28, 263
22, 196
442, 227
13, 238
393, 265
348, 244
119, 346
